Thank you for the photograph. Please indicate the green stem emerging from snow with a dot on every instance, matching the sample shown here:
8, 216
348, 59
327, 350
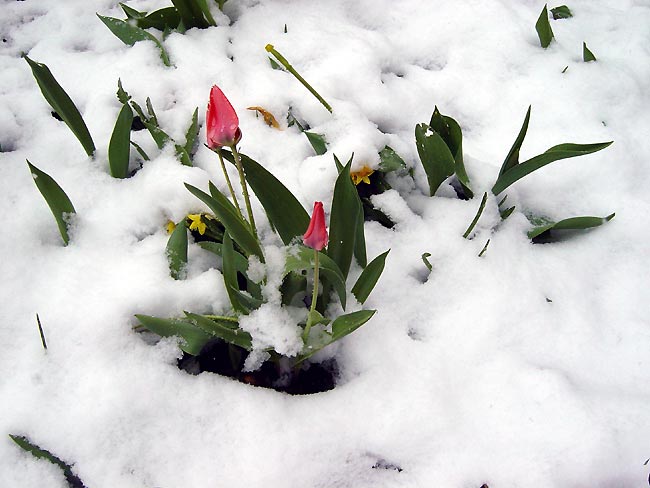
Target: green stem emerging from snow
230, 188
244, 188
314, 298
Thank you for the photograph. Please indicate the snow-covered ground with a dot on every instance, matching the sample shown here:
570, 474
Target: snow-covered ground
470, 377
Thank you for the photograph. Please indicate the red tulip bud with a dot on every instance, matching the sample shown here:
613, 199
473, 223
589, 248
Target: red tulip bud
221, 121
316, 235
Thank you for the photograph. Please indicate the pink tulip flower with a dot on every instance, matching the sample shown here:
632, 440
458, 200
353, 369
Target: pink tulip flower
316, 235
221, 121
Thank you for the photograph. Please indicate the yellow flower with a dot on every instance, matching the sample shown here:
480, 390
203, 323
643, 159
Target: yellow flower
197, 223
362, 175
170, 226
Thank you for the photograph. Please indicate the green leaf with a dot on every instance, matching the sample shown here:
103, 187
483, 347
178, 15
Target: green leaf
425, 260
130, 34
543, 28
230, 275
225, 212
191, 14
284, 211
561, 151
122, 95
39, 453
436, 158
205, 10
226, 328
56, 199
476, 217
164, 18
317, 141
140, 151
360, 238
119, 146
389, 160
587, 55
240, 263
177, 251
507, 212
369, 277
192, 133
303, 259
194, 337
59, 100
561, 12
342, 326
132, 13
543, 224
339, 166
343, 221
512, 159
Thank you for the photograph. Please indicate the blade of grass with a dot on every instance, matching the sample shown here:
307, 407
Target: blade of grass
476, 217
119, 145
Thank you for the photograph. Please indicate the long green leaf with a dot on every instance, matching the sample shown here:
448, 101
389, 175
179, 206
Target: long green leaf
342, 326
56, 199
369, 277
436, 158
39, 453
194, 337
360, 238
230, 275
543, 28
284, 211
237, 228
132, 13
177, 251
225, 328
59, 100
574, 223
303, 260
389, 160
192, 133
191, 15
317, 141
472, 224
164, 18
130, 34
241, 264
205, 10
512, 159
120, 144
561, 151
343, 221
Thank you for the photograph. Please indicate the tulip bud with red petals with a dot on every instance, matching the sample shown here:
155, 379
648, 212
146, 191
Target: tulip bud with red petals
222, 123
316, 235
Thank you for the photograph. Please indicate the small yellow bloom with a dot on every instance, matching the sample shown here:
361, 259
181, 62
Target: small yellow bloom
362, 175
170, 226
197, 223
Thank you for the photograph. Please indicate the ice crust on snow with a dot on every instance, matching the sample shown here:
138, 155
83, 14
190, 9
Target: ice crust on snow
466, 375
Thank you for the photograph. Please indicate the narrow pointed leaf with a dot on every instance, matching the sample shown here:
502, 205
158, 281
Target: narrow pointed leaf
543, 28
119, 146
360, 238
436, 158
342, 326
587, 55
236, 227
164, 18
177, 251
369, 277
240, 263
56, 199
205, 10
39, 453
225, 328
573, 223
476, 217
140, 151
130, 34
192, 133
190, 13
512, 159
230, 274
317, 141
62, 104
132, 13
343, 221
455, 144
561, 151
194, 337
284, 211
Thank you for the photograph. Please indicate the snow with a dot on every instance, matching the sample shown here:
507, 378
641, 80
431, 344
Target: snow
525, 367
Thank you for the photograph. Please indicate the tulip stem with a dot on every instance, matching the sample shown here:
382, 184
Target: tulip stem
244, 187
290, 69
314, 299
232, 191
